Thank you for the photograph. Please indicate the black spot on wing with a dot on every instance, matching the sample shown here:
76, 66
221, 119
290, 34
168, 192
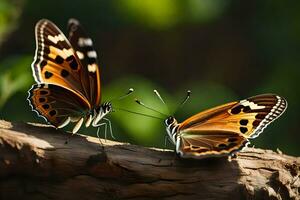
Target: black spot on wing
243, 129
70, 58
46, 106
246, 109
74, 64
42, 100
52, 113
237, 109
59, 59
64, 73
44, 92
48, 74
244, 122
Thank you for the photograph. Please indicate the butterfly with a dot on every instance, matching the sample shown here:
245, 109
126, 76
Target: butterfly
225, 129
68, 85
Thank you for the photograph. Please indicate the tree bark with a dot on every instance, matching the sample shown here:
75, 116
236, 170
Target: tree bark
35, 163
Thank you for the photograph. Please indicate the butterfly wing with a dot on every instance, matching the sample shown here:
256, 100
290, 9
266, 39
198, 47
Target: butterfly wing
56, 104
227, 128
201, 144
83, 46
56, 62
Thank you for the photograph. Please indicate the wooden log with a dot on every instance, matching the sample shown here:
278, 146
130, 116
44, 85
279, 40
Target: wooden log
35, 163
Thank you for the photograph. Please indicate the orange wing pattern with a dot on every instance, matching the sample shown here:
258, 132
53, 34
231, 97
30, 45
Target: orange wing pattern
56, 62
67, 74
225, 129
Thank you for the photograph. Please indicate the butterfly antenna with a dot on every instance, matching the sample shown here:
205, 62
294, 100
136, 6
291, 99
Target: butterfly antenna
188, 95
137, 113
158, 95
142, 104
161, 99
127, 94
123, 96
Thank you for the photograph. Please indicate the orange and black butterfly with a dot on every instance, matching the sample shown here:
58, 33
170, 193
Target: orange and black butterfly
224, 129
68, 78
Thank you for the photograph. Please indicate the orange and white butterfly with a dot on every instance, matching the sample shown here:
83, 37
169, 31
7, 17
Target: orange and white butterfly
68, 78
225, 129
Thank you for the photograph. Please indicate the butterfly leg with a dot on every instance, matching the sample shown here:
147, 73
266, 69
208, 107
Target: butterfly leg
165, 143
77, 126
99, 126
110, 128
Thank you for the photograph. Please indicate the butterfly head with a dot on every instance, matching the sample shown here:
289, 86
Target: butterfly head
107, 107
101, 111
170, 121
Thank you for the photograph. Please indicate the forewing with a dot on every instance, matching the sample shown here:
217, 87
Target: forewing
248, 117
237, 120
56, 62
56, 104
83, 46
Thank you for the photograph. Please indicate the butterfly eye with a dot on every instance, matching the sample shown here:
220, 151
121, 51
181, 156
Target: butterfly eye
169, 120
108, 107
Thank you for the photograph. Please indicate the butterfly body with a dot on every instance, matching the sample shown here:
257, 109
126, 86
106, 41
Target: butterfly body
172, 128
67, 76
225, 129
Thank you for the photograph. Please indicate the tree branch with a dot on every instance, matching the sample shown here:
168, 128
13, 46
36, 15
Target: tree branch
36, 163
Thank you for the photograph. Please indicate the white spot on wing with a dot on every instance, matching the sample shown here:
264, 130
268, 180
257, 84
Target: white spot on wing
80, 55
92, 54
63, 53
82, 42
68, 52
56, 39
252, 105
92, 68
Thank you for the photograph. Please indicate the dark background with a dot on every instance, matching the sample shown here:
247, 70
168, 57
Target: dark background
222, 50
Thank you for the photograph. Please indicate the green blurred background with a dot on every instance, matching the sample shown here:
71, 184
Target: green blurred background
222, 50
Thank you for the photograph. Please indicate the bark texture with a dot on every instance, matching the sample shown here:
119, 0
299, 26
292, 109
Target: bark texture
35, 163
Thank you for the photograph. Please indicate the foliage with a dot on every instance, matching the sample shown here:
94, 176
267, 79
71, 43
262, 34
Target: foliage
13, 79
221, 50
9, 12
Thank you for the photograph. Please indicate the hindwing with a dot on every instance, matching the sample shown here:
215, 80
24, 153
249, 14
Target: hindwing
57, 104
